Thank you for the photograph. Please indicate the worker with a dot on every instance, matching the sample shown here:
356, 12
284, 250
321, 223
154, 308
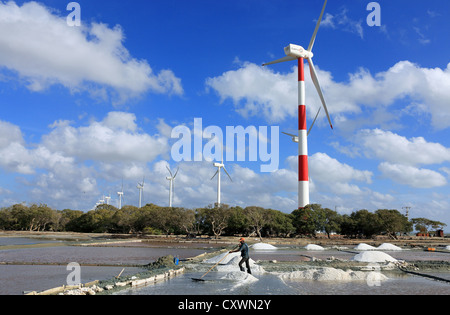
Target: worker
243, 248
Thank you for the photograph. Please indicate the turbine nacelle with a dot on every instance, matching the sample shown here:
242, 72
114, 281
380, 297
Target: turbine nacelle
218, 165
297, 51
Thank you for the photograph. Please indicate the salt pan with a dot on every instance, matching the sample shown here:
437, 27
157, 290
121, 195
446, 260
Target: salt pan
314, 247
388, 246
374, 256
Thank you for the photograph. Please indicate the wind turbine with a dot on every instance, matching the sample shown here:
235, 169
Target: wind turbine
171, 179
120, 194
107, 199
294, 137
298, 52
140, 186
219, 166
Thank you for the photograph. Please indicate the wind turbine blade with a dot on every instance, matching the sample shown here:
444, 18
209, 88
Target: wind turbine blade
176, 173
311, 43
309, 131
289, 134
169, 171
312, 69
215, 174
227, 173
287, 58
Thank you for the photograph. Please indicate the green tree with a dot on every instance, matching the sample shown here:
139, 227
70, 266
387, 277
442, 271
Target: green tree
278, 223
237, 222
424, 225
392, 222
330, 221
257, 218
306, 220
68, 219
217, 219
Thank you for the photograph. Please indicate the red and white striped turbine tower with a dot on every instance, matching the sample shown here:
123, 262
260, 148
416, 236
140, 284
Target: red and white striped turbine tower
294, 52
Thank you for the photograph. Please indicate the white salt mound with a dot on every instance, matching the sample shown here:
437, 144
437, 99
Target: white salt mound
388, 246
231, 263
447, 247
331, 274
373, 256
217, 258
364, 246
314, 247
239, 276
263, 246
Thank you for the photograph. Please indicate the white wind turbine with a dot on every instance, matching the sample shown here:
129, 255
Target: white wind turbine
220, 166
294, 52
120, 194
107, 199
171, 179
140, 186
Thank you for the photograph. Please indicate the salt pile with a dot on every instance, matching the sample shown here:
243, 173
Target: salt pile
364, 246
388, 246
216, 259
263, 246
447, 247
239, 276
314, 247
331, 274
373, 256
231, 263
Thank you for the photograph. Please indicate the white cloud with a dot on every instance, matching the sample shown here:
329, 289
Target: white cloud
336, 176
394, 148
262, 91
412, 176
342, 21
43, 50
114, 139
71, 164
257, 90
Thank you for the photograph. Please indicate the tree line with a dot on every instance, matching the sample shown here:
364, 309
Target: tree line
213, 220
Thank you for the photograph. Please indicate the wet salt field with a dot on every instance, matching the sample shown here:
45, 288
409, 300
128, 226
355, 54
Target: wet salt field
227, 279
26, 269
18, 275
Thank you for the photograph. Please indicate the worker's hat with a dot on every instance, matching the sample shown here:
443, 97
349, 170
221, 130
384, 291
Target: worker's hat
241, 239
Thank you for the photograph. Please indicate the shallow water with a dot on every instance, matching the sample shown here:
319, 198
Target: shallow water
94, 255
7, 241
15, 279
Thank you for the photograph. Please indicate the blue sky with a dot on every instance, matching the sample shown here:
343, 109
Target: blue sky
83, 107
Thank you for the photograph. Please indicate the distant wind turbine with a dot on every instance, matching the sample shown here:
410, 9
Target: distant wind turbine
120, 194
294, 52
171, 179
140, 186
220, 166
